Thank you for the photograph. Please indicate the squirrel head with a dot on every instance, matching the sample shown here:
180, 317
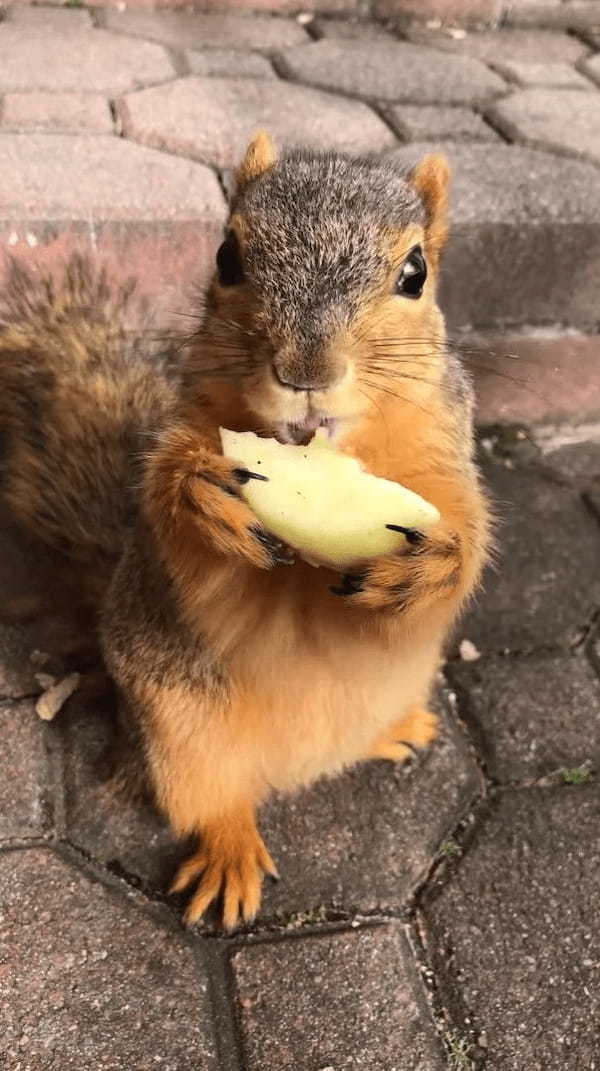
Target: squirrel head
324, 300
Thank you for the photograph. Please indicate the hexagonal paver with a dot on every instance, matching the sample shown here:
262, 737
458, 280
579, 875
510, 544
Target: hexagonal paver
562, 120
498, 46
416, 123
518, 216
124, 834
94, 62
25, 778
227, 63
513, 931
115, 202
531, 715
364, 840
390, 71
546, 582
111, 988
557, 75
206, 29
349, 1000
73, 112
212, 120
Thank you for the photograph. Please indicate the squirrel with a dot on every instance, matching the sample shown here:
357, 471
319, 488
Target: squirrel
241, 669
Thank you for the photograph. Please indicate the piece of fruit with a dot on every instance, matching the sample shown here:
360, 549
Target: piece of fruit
322, 502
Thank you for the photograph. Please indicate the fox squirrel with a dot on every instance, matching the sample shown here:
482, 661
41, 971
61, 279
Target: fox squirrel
239, 669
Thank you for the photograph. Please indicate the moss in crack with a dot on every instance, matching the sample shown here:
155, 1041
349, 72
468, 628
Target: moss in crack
459, 1051
577, 775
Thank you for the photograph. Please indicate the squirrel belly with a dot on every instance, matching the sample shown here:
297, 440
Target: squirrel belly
240, 668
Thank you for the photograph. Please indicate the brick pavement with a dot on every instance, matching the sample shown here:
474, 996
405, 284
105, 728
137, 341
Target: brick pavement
429, 917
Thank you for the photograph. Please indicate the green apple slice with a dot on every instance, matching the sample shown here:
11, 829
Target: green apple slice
322, 502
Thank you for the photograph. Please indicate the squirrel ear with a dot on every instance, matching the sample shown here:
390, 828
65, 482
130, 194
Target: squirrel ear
260, 156
431, 178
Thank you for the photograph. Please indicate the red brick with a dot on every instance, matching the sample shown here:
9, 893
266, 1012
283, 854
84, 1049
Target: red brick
155, 217
212, 119
51, 20
554, 380
72, 112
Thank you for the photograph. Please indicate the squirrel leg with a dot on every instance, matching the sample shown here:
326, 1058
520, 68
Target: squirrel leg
399, 742
231, 861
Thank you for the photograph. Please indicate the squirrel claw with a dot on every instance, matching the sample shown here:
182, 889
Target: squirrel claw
352, 583
243, 475
413, 535
280, 553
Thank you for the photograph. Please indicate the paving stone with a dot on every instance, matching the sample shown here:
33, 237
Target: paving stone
94, 62
514, 935
415, 123
499, 46
114, 201
364, 840
111, 988
349, 29
76, 112
228, 63
531, 715
570, 15
554, 379
349, 1000
25, 785
546, 582
206, 30
558, 75
577, 462
592, 68
519, 216
561, 120
124, 834
212, 120
53, 20
469, 11
394, 71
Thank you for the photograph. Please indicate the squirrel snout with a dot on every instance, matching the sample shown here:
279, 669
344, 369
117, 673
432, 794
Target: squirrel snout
299, 377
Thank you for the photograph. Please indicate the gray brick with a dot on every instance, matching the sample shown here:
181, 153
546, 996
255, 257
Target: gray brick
570, 15
72, 112
531, 715
111, 988
559, 75
513, 931
565, 121
546, 583
499, 46
227, 63
592, 68
206, 29
93, 62
212, 120
518, 216
25, 781
349, 1000
391, 72
415, 123
366, 839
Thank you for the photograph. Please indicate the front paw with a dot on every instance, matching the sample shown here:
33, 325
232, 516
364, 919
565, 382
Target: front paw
211, 497
425, 570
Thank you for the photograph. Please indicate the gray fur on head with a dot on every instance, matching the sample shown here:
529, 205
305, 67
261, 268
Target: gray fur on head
313, 242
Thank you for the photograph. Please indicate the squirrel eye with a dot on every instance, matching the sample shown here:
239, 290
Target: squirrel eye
412, 278
229, 262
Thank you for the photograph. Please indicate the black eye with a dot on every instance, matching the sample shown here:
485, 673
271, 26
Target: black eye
412, 278
229, 263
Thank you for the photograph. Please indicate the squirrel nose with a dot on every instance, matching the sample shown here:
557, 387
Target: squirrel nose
294, 376
288, 379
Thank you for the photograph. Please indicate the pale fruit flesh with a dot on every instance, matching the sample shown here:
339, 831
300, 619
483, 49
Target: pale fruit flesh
322, 503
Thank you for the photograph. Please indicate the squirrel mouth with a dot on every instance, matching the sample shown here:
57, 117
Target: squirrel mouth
304, 431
